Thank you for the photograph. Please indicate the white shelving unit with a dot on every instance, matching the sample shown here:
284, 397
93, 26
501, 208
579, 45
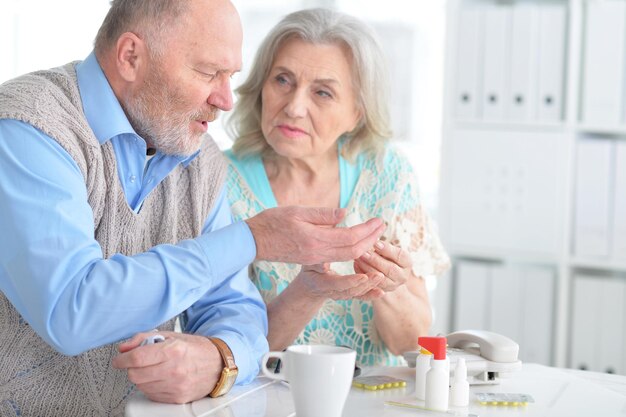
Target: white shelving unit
512, 205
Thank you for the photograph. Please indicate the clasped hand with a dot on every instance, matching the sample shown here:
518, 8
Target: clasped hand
381, 270
393, 262
181, 369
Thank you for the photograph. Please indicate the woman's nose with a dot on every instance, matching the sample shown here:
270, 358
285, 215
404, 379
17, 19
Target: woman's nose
296, 107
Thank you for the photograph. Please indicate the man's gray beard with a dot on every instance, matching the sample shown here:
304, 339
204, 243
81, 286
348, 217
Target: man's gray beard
167, 133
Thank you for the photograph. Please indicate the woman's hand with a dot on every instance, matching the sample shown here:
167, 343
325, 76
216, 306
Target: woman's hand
322, 282
392, 261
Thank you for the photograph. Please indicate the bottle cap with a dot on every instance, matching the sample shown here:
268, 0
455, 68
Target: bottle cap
434, 344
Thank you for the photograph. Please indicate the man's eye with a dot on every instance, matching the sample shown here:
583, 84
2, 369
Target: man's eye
207, 75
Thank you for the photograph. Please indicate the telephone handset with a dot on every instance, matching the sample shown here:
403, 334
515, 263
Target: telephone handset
489, 345
488, 355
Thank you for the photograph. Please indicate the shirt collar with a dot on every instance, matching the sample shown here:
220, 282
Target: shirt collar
102, 109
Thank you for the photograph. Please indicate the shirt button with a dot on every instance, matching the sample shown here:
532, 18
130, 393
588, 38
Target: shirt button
132, 178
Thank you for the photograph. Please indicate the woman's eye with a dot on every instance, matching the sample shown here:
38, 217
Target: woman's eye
324, 94
282, 80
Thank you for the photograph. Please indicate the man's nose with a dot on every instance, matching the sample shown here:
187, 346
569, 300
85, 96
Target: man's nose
222, 96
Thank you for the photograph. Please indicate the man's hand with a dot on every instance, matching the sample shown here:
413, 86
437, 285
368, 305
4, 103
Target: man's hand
306, 235
322, 282
181, 369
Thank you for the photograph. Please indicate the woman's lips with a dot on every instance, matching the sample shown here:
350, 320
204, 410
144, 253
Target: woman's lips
291, 132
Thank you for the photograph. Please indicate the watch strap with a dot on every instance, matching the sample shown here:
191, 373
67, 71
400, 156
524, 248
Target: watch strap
229, 371
225, 352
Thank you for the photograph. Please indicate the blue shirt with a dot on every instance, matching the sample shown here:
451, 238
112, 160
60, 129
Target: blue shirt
52, 268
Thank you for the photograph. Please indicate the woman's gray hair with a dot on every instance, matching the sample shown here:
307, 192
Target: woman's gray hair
369, 78
152, 20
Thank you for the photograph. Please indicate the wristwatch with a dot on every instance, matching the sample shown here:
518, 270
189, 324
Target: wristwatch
229, 372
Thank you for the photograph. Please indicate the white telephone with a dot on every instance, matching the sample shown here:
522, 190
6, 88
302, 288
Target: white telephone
488, 356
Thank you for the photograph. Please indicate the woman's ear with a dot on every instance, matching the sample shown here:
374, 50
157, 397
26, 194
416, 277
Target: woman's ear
130, 56
359, 122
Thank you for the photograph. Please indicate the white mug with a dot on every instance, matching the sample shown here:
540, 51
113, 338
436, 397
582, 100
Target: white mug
319, 377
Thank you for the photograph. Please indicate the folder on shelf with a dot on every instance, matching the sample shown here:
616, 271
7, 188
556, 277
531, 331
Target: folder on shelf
585, 316
495, 62
520, 99
537, 315
506, 303
473, 289
552, 24
619, 204
469, 64
598, 324
610, 343
603, 68
593, 197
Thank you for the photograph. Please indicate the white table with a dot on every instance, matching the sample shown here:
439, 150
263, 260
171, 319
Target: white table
557, 393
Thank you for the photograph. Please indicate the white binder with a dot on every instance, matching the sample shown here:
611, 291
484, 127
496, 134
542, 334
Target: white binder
585, 320
610, 343
537, 315
469, 64
521, 95
507, 285
603, 74
593, 197
552, 24
619, 205
496, 60
473, 289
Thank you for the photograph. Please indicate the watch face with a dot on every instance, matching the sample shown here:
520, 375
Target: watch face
230, 376
226, 382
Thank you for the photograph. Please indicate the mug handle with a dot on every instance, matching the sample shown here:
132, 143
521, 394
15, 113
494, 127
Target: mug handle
268, 373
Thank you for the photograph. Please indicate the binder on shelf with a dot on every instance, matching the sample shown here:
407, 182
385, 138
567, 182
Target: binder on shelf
603, 68
495, 62
610, 343
585, 316
506, 304
469, 64
473, 289
619, 204
537, 315
593, 198
521, 95
551, 80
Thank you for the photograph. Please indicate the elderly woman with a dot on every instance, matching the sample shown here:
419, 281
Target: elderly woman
311, 128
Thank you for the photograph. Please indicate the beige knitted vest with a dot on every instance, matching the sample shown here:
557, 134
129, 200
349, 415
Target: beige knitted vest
35, 380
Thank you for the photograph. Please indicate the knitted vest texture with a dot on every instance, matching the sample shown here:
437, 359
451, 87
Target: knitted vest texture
36, 380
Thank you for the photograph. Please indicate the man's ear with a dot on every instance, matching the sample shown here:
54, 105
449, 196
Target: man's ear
130, 56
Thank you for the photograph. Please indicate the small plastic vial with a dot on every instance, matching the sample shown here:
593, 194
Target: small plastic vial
438, 377
459, 391
422, 365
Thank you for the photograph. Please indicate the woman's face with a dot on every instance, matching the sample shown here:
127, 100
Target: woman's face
308, 100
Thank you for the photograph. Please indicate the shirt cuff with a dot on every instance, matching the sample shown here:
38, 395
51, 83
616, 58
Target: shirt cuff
246, 359
229, 249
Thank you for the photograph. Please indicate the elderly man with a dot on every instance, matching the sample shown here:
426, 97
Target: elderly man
114, 221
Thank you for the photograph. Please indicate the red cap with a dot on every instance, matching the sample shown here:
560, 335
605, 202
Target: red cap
435, 345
